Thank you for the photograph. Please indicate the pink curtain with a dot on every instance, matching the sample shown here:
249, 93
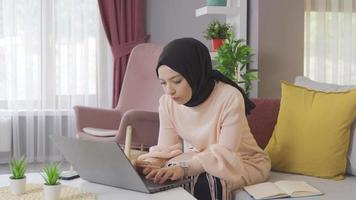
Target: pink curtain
123, 22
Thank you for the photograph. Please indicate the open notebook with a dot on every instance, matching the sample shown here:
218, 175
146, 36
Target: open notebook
279, 189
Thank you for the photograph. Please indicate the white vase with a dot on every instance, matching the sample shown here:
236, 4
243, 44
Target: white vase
18, 186
52, 192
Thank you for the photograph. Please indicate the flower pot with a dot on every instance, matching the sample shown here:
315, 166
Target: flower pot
18, 186
216, 2
52, 192
216, 43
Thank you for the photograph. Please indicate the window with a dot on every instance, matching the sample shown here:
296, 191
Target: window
49, 53
53, 55
330, 41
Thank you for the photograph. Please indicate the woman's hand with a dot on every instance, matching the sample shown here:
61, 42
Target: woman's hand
161, 175
145, 166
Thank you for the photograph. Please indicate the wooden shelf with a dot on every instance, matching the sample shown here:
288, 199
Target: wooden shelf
216, 10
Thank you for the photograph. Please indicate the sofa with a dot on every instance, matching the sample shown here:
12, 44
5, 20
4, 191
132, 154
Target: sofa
262, 121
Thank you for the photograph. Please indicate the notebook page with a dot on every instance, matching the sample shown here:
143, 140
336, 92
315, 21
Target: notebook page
264, 190
297, 188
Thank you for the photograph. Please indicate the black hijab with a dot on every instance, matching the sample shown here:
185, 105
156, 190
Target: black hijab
190, 58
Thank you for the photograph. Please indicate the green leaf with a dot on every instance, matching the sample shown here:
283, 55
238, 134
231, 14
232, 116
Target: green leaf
235, 55
18, 167
217, 30
51, 174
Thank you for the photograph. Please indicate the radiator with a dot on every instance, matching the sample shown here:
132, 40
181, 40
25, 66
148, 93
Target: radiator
5, 134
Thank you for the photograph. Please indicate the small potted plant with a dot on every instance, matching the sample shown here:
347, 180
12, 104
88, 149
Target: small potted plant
18, 179
216, 2
217, 32
232, 59
52, 187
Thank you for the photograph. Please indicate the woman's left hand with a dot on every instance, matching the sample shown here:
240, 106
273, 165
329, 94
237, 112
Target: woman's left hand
163, 174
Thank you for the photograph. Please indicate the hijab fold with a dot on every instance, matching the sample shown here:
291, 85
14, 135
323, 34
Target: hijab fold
190, 58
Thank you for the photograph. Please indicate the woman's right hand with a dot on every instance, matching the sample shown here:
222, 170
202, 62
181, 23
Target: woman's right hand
146, 166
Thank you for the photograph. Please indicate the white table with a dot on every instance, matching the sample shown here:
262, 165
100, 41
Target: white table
109, 193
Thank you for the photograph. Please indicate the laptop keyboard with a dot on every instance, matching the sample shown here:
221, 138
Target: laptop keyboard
150, 183
165, 186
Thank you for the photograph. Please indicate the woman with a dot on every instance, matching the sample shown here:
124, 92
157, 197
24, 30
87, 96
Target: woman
206, 110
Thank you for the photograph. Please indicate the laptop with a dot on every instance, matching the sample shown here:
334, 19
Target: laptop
106, 163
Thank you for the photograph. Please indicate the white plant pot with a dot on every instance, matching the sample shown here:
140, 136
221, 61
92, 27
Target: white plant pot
18, 186
52, 192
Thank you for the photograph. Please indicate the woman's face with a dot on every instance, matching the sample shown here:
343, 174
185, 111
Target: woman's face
174, 85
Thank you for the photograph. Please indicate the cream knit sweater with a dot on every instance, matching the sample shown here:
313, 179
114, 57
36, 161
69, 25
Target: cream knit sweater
220, 138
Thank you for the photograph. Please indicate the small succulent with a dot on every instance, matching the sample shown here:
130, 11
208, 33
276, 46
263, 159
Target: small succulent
51, 174
18, 167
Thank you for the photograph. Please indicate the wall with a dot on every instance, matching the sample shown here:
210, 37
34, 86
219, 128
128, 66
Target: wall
276, 33
170, 19
252, 36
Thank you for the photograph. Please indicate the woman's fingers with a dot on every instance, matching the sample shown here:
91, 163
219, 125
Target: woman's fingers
144, 167
146, 164
174, 173
151, 166
167, 175
140, 163
159, 174
152, 174
174, 177
163, 174
146, 170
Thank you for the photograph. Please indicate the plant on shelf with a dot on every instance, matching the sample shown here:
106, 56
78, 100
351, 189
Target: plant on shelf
18, 169
217, 32
52, 186
232, 59
216, 2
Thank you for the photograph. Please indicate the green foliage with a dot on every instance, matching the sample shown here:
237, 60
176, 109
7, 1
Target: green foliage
18, 168
216, 30
232, 57
51, 174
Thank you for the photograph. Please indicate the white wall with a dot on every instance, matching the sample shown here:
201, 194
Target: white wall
167, 20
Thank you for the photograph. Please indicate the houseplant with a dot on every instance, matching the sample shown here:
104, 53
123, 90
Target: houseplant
52, 187
216, 2
217, 32
232, 59
18, 179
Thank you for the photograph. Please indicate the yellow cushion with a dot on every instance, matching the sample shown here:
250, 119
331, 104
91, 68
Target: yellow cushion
311, 136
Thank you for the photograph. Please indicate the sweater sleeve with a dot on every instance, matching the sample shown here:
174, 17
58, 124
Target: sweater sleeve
169, 143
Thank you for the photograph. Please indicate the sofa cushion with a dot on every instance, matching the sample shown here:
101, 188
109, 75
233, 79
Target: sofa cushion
262, 119
311, 136
332, 190
325, 87
314, 85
